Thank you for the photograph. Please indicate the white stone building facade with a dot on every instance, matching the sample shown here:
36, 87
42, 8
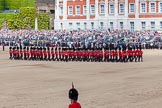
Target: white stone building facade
108, 14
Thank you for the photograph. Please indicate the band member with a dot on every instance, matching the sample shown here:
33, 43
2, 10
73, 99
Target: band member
73, 96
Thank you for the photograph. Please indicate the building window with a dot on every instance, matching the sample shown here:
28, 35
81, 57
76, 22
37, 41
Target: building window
102, 9
131, 8
52, 11
143, 7
77, 10
111, 25
78, 25
85, 25
152, 25
92, 9
92, 25
71, 26
132, 26
143, 24
152, 7
121, 11
161, 24
84, 10
112, 9
160, 7
101, 25
70, 10
121, 25
61, 10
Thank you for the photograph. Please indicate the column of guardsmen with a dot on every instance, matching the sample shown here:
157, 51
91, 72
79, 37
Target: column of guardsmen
79, 54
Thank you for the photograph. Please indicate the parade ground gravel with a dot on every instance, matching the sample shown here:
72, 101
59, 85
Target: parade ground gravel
45, 84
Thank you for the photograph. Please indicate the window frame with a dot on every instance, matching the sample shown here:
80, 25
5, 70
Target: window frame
141, 9
160, 7
61, 12
84, 10
150, 9
77, 10
110, 12
91, 9
130, 7
71, 11
120, 8
101, 9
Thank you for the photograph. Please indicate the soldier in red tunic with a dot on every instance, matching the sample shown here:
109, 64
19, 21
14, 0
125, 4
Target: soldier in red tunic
41, 53
45, 54
31, 53
53, 54
120, 55
11, 53
124, 54
49, 53
73, 96
27, 54
21, 54
140, 57
17, 53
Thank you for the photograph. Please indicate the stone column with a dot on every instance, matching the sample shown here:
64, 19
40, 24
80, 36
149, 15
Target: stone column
64, 9
137, 9
88, 9
57, 10
96, 14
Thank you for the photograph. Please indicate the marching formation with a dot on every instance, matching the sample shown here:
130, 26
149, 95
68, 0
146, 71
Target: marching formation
80, 54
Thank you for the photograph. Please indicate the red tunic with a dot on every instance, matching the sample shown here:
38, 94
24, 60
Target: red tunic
75, 105
124, 53
52, 53
21, 53
27, 53
140, 53
44, 53
31, 53
120, 54
10, 52
49, 54
128, 52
